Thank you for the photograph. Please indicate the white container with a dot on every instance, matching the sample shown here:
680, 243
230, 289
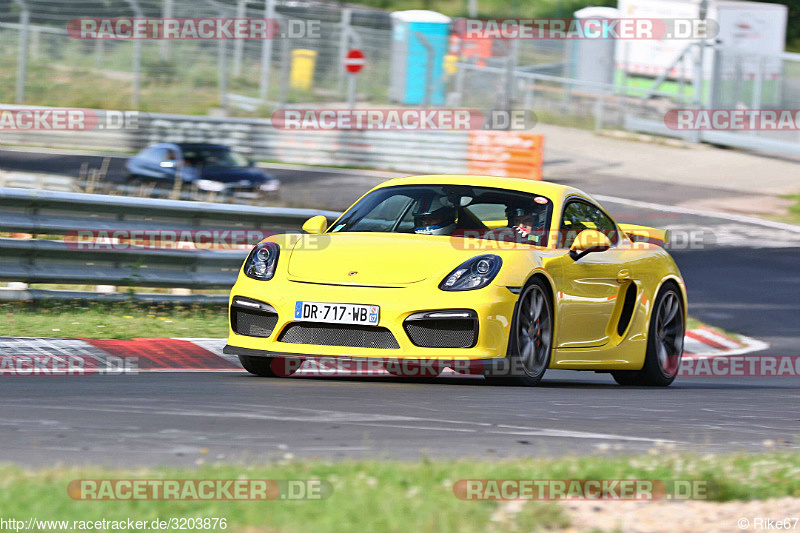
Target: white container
750, 27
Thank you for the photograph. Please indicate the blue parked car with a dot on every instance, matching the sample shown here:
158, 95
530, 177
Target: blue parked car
209, 167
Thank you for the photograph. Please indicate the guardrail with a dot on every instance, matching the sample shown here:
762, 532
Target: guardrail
53, 214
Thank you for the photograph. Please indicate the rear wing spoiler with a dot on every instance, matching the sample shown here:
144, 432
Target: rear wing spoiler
645, 234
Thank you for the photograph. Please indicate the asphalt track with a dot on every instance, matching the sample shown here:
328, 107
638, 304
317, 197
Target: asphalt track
744, 278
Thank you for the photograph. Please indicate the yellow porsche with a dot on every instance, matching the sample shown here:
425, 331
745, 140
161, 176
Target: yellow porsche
507, 276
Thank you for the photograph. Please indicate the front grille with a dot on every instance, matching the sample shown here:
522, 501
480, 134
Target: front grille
442, 333
253, 323
348, 335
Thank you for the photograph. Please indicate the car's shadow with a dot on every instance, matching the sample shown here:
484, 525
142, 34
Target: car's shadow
553, 383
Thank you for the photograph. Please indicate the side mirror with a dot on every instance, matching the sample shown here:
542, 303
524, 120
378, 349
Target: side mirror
315, 225
251, 163
589, 240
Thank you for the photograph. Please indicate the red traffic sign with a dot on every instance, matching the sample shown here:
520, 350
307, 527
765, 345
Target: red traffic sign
354, 61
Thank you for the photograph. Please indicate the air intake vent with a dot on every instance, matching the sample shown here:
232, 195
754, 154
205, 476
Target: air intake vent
253, 324
627, 309
252, 318
339, 335
443, 329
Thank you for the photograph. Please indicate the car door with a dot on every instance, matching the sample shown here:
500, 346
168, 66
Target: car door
587, 288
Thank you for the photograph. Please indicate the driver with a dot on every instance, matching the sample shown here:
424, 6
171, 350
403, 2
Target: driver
433, 218
523, 220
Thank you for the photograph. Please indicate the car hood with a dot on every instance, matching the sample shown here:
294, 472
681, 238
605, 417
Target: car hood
232, 175
374, 258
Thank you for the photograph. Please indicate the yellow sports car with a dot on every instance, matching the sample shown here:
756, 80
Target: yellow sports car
502, 276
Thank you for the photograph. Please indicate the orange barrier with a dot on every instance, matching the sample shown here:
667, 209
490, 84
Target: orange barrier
511, 154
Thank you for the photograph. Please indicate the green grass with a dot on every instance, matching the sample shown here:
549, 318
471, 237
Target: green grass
130, 320
393, 496
794, 211
111, 321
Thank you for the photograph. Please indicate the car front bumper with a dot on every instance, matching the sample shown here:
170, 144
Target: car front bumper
493, 308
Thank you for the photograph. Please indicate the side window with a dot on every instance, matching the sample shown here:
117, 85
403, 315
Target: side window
148, 154
154, 154
159, 155
578, 216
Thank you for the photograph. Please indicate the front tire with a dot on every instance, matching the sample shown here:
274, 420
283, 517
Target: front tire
664, 342
531, 338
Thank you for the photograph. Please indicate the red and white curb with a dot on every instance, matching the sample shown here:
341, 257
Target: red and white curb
205, 355
706, 342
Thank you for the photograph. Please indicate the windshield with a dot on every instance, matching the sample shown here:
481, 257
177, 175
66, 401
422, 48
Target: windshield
455, 210
214, 157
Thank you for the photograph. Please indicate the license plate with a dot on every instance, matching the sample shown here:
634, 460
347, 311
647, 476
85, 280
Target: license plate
366, 315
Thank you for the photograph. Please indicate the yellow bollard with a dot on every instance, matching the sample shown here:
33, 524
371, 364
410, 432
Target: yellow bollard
302, 73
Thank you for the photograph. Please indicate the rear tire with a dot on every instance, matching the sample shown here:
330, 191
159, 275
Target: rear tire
664, 342
269, 367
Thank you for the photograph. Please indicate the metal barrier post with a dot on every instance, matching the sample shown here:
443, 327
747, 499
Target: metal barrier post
758, 80
238, 44
351, 90
222, 68
22, 62
352, 79
222, 63
511, 65
716, 76
266, 53
166, 13
137, 58
286, 62
344, 37
699, 75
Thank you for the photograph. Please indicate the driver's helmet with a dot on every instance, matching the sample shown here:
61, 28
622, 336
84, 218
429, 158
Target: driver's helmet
516, 212
433, 218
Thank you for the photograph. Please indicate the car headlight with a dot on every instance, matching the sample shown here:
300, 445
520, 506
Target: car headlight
262, 261
210, 185
269, 186
476, 273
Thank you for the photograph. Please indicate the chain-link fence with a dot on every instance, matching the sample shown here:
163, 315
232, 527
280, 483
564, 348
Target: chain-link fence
575, 83
189, 76
551, 78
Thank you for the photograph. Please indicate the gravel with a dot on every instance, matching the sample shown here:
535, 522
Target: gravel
687, 516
